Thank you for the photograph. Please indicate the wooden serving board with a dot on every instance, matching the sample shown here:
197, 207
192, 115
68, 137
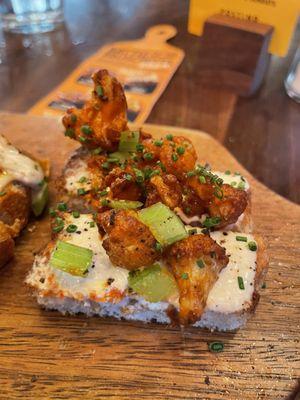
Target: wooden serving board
44, 355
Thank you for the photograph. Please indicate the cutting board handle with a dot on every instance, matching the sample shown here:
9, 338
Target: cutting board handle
160, 33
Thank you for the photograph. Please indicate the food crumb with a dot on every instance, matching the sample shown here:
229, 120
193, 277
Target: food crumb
206, 380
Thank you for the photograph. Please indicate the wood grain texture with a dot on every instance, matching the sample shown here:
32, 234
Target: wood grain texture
261, 132
44, 355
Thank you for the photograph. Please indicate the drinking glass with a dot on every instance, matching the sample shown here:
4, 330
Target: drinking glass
292, 81
31, 16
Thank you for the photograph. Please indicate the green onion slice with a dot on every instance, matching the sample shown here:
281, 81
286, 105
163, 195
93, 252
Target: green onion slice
241, 283
165, 225
216, 347
211, 222
74, 260
129, 140
241, 238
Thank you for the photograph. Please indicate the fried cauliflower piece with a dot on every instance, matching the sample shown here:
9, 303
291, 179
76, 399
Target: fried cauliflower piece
102, 118
6, 244
129, 243
166, 189
123, 184
178, 156
232, 204
224, 201
15, 207
196, 263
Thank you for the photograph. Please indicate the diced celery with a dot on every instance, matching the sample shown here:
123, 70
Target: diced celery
129, 140
40, 199
124, 204
165, 225
154, 283
120, 156
74, 260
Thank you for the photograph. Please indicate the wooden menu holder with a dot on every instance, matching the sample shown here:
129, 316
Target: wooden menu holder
234, 54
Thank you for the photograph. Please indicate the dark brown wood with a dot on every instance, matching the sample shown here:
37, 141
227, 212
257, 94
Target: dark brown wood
263, 130
235, 54
44, 355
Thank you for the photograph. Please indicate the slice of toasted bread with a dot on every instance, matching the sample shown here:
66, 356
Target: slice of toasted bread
60, 291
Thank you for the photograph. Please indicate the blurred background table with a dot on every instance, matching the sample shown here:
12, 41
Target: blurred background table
262, 132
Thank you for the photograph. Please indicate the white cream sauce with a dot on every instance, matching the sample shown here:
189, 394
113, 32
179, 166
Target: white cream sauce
73, 176
17, 166
101, 269
226, 296
233, 179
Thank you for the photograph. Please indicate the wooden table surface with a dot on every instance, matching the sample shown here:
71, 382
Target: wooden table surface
261, 132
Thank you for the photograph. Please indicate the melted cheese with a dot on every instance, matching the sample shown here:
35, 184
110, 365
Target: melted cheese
233, 179
73, 176
18, 167
226, 296
96, 279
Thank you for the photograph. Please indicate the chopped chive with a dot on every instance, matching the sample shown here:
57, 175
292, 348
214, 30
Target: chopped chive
71, 228
190, 174
161, 165
99, 90
202, 179
237, 173
241, 283
82, 179
169, 136
158, 143
187, 210
104, 202
158, 247
241, 186
218, 192
86, 129
180, 150
105, 165
76, 214
200, 263
62, 206
57, 228
227, 172
73, 118
185, 275
148, 156
263, 286
128, 177
59, 221
174, 157
92, 224
97, 151
139, 147
82, 139
52, 212
192, 232
139, 176
103, 193
211, 222
241, 238
3, 193
215, 347
81, 192
70, 132
154, 172
252, 246
233, 183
